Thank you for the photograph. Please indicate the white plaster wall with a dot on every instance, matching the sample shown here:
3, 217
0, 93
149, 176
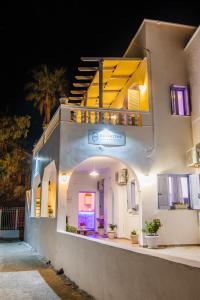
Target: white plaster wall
110, 273
172, 134
192, 53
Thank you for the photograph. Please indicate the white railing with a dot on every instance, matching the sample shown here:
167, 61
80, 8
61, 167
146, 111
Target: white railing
91, 115
104, 116
12, 218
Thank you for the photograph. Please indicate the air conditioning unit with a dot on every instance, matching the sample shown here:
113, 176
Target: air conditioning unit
191, 157
122, 177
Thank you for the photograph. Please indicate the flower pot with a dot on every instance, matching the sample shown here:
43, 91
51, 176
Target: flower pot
134, 238
101, 231
180, 205
111, 234
152, 241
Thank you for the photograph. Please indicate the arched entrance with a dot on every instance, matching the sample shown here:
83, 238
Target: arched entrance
103, 191
48, 207
36, 197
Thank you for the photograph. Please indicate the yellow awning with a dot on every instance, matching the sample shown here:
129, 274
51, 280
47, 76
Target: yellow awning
116, 74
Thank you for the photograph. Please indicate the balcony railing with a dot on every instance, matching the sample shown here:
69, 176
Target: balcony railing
105, 116
87, 115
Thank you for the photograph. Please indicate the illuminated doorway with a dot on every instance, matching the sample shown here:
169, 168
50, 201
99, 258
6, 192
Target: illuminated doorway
86, 210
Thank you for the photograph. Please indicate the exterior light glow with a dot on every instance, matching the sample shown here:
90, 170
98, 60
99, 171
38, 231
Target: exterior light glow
142, 88
63, 177
94, 173
114, 117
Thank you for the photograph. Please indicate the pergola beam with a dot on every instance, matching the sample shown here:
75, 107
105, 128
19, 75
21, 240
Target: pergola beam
97, 59
79, 84
75, 98
79, 77
87, 69
78, 92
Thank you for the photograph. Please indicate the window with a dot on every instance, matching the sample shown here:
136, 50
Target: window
173, 191
131, 196
180, 100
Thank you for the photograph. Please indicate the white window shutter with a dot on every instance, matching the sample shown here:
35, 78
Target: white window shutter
131, 201
163, 192
195, 191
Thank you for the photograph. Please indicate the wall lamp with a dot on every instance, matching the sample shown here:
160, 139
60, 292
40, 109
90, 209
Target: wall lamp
64, 177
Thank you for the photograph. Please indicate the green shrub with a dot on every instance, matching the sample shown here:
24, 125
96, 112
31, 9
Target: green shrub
152, 227
112, 226
134, 232
70, 228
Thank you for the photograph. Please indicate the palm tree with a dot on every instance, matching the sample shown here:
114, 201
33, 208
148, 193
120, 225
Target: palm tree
45, 90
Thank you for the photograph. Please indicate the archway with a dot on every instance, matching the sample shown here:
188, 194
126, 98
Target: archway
102, 191
49, 182
36, 197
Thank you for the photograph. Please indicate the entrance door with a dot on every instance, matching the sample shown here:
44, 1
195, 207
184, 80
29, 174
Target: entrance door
86, 210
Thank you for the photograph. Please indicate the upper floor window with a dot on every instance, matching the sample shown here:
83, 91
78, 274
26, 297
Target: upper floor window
180, 100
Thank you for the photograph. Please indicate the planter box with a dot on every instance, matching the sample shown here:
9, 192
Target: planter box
180, 206
152, 241
111, 234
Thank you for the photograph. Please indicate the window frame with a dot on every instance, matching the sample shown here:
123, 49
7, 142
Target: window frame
170, 205
184, 89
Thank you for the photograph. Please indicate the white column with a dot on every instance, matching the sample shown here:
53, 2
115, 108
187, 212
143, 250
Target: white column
44, 198
62, 202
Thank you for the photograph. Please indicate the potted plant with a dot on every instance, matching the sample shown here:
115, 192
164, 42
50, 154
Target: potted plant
101, 230
180, 205
82, 225
151, 229
70, 228
134, 237
50, 212
112, 232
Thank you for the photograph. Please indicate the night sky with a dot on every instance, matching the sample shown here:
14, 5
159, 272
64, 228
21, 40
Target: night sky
34, 33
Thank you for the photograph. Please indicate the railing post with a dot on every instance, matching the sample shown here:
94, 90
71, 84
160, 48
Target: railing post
89, 116
82, 116
139, 119
102, 120
16, 218
110, 117
96, 117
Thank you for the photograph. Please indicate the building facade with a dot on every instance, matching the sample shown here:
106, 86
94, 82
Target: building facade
128, 153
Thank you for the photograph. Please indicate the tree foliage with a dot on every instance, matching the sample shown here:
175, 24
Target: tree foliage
45, 89
15, 162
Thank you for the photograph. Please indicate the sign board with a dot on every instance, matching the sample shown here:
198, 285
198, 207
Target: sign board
106, 137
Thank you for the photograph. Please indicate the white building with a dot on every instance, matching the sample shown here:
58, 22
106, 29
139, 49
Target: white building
138, 128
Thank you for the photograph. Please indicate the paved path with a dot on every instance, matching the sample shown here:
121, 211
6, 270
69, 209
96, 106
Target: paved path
18, 257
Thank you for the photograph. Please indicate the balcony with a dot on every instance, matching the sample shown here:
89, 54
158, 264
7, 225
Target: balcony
114, 93
80, 115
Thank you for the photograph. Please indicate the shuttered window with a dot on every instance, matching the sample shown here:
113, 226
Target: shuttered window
195, 191
131, 196
173, 191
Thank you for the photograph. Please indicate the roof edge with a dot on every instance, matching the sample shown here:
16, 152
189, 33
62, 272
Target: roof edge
158, 22
192, 38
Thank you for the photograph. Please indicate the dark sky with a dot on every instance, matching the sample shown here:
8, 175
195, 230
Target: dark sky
58, 34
